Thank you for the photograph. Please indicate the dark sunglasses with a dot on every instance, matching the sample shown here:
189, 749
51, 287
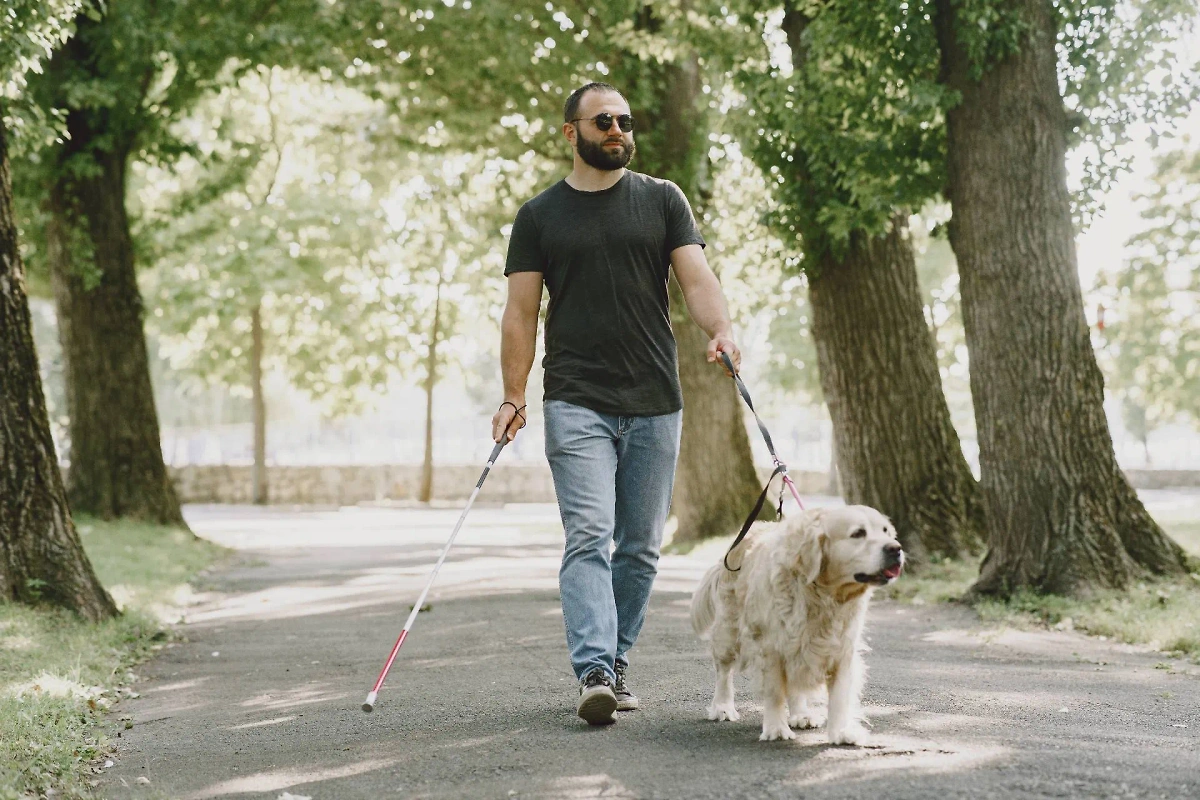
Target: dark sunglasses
604, 121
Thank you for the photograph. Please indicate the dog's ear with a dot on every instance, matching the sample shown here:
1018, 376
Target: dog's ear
811, 555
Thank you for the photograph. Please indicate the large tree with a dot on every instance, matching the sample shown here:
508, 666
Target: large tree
1061, 516
41, 558
849, 166
120, 83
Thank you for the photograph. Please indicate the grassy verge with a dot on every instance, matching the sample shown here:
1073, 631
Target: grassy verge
59, 675
1163, 614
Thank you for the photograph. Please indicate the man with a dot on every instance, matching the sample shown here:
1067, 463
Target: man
603, 241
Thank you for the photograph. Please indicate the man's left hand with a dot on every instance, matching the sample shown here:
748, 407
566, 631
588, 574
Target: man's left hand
723, 343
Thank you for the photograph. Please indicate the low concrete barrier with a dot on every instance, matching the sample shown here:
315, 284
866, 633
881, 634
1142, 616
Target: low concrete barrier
508, 483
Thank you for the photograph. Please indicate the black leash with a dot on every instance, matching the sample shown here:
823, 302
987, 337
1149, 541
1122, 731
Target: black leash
780, 467
754, 516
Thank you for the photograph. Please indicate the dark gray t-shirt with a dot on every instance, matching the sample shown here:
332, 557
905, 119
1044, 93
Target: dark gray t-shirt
605, 257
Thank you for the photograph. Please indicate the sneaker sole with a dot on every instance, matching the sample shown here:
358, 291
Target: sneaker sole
627, 704
597, 708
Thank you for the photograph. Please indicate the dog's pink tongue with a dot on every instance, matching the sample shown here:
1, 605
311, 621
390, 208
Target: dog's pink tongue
892, 572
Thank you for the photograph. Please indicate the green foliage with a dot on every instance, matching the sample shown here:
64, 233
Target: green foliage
29, 32
1151, 342
485, 75
1121, 63
278, 211
843, 111
292, 206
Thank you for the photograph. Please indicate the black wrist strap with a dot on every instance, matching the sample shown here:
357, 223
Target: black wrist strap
518, 410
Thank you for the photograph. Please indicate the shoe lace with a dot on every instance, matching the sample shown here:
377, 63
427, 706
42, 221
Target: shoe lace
595, 678
620, 670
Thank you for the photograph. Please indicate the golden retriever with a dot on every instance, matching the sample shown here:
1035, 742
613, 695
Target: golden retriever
793, 614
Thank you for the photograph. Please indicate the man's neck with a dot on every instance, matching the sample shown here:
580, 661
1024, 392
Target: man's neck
587, 178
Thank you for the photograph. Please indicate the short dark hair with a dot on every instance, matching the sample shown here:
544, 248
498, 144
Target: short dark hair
576, 97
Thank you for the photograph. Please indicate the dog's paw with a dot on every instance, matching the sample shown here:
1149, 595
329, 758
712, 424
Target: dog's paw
809, 719
772, 731
725, 712
851, 734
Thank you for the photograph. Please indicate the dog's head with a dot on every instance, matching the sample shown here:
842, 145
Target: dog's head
852, 545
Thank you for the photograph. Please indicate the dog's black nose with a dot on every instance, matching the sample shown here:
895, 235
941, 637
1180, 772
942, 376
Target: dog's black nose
893, 549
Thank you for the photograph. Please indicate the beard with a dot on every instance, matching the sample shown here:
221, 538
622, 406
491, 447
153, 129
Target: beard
595, 155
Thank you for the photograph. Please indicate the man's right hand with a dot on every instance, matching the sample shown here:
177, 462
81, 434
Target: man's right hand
506, 421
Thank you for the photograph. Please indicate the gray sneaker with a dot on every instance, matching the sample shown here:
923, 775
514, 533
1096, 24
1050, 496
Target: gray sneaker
597, 702
626, 700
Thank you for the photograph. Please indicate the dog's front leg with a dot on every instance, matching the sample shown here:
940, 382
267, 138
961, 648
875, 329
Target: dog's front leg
723, 706
845, 687
775, 717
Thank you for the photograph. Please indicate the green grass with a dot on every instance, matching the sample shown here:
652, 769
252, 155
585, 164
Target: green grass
60, 675
1163, 614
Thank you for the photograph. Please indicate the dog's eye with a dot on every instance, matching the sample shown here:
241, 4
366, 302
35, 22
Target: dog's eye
861, 533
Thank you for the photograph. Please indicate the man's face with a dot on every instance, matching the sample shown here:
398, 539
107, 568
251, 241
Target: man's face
603, 150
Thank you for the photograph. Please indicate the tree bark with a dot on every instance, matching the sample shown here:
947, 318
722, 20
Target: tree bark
834, 487
117, 467
41, 558
715, 481
896, 446
261, 487
426, 491
1061, 516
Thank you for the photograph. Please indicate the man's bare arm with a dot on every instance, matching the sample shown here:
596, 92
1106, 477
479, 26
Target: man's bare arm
705, 301
518, 343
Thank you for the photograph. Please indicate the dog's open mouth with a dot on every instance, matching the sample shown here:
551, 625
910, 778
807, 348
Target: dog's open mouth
881, 578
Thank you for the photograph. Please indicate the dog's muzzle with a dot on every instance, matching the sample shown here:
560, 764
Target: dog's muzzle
893, 565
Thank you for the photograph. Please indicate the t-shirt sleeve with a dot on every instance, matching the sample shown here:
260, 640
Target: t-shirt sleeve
681, 225
524, 249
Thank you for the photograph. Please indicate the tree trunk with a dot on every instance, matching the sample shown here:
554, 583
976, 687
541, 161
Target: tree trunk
261, 488
117, 467
834, 487
116, 459
896, 447
41, 558
426, 493
1061, 516
715, 481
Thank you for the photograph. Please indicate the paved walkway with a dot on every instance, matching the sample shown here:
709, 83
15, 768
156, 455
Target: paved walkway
263, 698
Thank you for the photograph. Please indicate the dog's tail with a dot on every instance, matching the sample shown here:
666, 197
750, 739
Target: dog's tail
704, 602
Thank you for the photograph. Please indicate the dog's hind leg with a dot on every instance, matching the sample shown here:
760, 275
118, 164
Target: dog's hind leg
802, 710
723, 706
775, 717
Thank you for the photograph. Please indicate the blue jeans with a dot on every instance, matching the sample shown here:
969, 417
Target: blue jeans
613, 476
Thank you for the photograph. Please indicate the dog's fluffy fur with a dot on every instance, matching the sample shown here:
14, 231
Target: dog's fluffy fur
794, 614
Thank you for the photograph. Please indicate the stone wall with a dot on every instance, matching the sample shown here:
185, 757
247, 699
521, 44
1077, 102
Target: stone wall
348, 485
1163, 478
507, 483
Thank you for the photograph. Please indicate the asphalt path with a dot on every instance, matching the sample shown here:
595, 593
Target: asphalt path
262, 697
